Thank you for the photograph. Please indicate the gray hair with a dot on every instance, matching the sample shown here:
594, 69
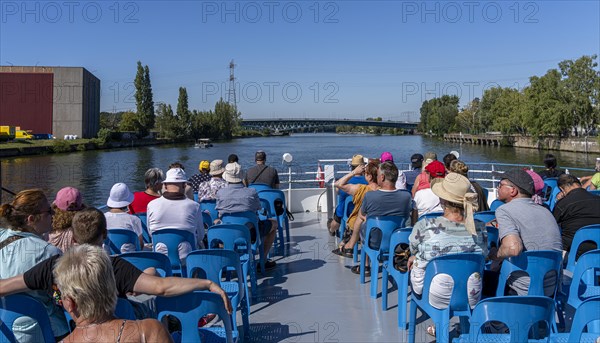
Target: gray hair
389, 171
84, 274
153, 177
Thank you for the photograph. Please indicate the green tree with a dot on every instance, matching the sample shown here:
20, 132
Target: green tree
128, 122
581, 81
546, 110
166, 122
440, 114
184, 116
227, 119
143, 99
467, 120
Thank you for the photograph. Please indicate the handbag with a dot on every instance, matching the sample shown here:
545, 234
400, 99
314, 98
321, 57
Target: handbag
401, 256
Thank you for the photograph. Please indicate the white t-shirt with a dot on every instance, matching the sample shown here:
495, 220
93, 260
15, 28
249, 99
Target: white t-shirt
427, 202
176, 214
124, 221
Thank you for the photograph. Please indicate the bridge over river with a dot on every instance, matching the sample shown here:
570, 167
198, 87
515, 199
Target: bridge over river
292, 124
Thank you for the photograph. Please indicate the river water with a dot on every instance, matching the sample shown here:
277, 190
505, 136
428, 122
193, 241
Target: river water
94, 172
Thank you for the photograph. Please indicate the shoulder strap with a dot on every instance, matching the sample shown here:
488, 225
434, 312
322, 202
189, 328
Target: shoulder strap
258, 175
9, 240
121, 331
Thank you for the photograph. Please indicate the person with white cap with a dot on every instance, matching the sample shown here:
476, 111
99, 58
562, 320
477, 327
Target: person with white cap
208, 190
236, 198
118, 218
173, 210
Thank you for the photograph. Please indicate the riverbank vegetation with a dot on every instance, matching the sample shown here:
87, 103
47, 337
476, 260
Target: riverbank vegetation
565, 102
370, 129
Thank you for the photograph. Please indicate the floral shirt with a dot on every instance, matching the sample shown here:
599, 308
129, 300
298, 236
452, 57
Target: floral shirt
433, 237
208, 190
197, 179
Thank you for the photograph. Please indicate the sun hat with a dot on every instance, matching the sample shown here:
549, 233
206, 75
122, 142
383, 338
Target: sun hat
456, 188
216, 167
260, 156
386, 157
233, 173
204, 165
519, 178
175, 175
436, 169
68, 199
430, 156
357, 160
120, 196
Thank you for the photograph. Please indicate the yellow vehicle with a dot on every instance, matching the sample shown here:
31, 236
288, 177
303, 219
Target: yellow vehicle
23, 134
7, 133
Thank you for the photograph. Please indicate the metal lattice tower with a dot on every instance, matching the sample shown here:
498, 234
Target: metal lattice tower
231, 99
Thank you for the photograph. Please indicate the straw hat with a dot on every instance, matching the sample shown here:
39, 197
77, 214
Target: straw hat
456, 188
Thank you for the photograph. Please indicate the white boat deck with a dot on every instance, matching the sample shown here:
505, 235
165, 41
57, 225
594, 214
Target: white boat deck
312, 296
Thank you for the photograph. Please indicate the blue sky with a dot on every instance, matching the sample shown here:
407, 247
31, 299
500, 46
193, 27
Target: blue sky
338, 59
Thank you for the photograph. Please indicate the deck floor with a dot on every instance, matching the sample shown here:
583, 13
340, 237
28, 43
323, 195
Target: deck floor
312, 296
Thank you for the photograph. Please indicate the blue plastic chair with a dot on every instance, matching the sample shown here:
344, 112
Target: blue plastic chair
595, 192
486, 193
211, 207
536, 263
124, 309
259, 186
485, 216
348, 208
459, 267
550, 192
244, 218
145, 234
189, 308
196, 196
172, 238
236, 237
587, 233
212, 264
582, 287
149, 259
207, 220
495, 204
431, 215
15, 306
273, 195
386, 225
492, 236
587, 312
117, 237
519, 314
401, 279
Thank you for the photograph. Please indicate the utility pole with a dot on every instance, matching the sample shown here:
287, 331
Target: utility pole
231, 98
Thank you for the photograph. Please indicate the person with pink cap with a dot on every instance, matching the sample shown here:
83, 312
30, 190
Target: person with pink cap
387, 157
67, 203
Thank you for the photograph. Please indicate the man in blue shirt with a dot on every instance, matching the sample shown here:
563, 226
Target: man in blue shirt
236, 198
334, 223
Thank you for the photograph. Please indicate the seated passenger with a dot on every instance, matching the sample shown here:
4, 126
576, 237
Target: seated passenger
459, 167
416, 162
551, 168
575, 209
153, 179
173, 210
117, 216
357, 191
86, 283
387, 157
68, 201
261, 173
425, 200
422, 180
208, 190
202, 176
89, 227
333, 223
592, 182
523, 226
188, 190
448, 160
237, 198
386, 201
23, 222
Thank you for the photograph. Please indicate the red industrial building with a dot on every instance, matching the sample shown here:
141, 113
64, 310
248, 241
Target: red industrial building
55, 100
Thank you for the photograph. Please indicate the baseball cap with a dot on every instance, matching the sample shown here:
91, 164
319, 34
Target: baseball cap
69, 199
386, 157
436, 169
519, 178
204, 165
175, 175
416, 158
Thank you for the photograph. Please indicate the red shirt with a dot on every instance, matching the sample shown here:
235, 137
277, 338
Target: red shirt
140, 202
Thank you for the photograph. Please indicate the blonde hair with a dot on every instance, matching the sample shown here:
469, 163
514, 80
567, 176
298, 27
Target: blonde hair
84, 274
26, 203
459, 167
